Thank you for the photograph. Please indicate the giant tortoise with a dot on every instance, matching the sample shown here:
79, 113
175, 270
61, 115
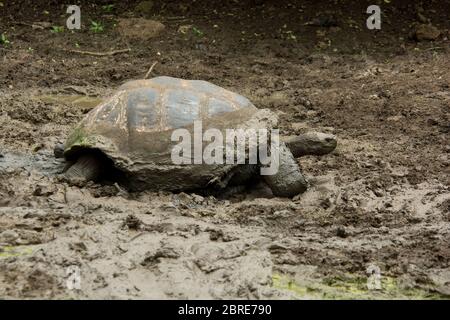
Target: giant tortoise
130, 135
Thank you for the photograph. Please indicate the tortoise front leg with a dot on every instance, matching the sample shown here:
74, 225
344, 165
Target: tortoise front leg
289, 180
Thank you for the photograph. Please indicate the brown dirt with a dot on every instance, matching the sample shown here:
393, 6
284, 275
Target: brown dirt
382, 197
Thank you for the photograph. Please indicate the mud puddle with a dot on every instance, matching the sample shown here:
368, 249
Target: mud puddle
43, 162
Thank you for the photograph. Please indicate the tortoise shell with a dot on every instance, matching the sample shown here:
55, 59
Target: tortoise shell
141, 115
165, 103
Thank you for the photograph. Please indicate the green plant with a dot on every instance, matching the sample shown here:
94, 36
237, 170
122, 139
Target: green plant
108, 8
290, 35
197, 32
4, 40
57, 29
96, 27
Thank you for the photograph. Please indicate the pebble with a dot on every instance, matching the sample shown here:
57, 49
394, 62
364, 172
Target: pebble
341, 232
425, 32
8, 236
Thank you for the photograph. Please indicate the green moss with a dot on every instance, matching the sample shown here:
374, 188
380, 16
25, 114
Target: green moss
77, 138
14, 251
350, 287
79, 101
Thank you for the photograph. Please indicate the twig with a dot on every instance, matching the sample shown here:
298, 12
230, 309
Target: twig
136, 236
120, 191
34, 25
150, 70
434, 48
22, 23
100, 54
176, 18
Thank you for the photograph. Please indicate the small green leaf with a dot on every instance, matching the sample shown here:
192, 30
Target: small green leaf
197, 32
4, 40
96, 27
108, 7
57, 29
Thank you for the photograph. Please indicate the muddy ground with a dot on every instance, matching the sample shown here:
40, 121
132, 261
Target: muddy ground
380, 200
